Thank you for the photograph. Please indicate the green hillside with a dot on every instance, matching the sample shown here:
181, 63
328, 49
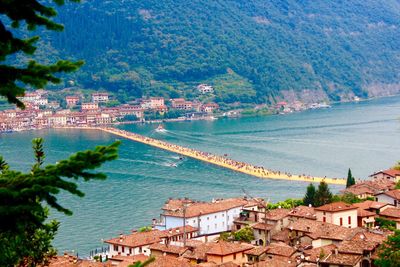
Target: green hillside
271, 46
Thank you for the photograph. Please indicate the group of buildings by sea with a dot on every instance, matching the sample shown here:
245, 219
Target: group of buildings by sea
242, 231
40, 113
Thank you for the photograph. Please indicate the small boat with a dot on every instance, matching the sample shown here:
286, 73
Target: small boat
160, 129
173, 165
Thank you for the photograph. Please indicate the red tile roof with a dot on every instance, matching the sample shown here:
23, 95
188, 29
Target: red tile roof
223, 248
369, 204
170, 261
137, 239
171, 249
391, 212
174, 207
365, 213
262, 226
336, 207
303, 212
277, 214
393, 194
311, 255
343, 259
280, 249
390, 172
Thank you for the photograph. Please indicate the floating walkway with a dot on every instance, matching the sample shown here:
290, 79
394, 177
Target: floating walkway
221, 161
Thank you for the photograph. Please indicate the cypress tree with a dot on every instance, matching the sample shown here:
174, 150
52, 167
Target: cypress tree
323, 195
309, 198
350, 179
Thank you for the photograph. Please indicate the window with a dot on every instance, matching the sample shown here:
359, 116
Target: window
208, 218
115, 248
194, 221
215, 217
349, 219
324, 219
208, 228
341, 221
130, 251
324, 213
234, 256
215, 225
223, 214
140, 249
259, 231
123, 249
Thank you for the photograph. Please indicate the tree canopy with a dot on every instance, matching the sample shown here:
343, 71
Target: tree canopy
25, 236
14, 78
350, 179
389, 251
323, 195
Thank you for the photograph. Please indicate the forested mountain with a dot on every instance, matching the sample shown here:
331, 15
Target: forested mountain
255, 50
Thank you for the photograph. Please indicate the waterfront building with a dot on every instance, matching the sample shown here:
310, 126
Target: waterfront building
338, 213
156, 102
100, 97
181, 104
209, 217
209, 107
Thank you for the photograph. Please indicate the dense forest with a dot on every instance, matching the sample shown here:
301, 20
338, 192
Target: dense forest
252, 50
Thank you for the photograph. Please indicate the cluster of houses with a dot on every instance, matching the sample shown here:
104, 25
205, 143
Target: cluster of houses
41, 113
188, 232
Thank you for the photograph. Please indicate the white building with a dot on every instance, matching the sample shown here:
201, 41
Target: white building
338, 213
391, 197
209, 217
139, 242
205, 88
100, 97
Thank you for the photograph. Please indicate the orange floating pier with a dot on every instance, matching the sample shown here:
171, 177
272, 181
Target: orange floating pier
221, 161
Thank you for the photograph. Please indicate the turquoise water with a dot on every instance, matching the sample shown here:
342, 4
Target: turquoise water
363, 136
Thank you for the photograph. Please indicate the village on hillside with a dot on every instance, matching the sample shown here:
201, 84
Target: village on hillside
248, 231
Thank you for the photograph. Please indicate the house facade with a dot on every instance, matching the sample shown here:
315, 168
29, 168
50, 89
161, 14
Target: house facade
338, 213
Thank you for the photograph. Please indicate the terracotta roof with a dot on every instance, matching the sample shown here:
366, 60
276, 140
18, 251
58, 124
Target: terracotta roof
172, 249
377, 236
126, 261
179, 230
343, 259
390, 172
282, 236
277, 214
359, 190
262, 226
376, 186
303, 212
223, 248
393, 193
316, 229
198, 251
356, 246
276, 262
311, 255
391, 212
72, 261
174, 207
369, 204
335, 207
137, 239
280, 249
365, 213
257, 251
170, 261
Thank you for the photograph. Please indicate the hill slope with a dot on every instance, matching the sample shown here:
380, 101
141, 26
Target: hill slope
324, 49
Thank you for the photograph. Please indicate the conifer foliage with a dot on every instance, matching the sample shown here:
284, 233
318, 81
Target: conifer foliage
25, 235
309, 198
350, 179
31, 13
323, 195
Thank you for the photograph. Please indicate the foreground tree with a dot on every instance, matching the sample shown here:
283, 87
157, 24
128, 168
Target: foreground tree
323, 195
309, 198
30, 13
389, 251
350, 179
25, 236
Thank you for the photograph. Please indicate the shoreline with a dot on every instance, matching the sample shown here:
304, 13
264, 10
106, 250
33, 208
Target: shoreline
224, 162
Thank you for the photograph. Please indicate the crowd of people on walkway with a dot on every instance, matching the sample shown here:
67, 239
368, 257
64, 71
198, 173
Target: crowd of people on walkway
222, 161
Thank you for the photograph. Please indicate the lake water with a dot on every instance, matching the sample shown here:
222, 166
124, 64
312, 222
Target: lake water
362, 136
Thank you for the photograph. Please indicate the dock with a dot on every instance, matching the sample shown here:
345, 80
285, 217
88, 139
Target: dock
217, 160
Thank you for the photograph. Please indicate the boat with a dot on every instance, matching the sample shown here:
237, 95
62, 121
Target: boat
160, 129
173, 165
